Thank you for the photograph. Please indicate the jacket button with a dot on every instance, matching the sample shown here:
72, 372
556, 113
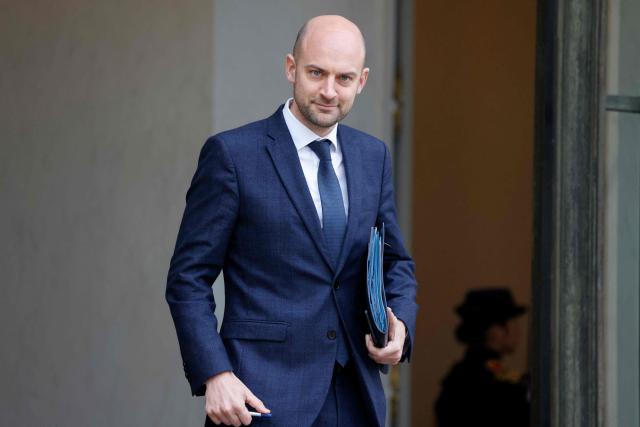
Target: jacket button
332, 334
336, 285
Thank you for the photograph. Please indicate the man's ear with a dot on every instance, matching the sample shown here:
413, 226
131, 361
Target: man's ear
364, 75
290, 68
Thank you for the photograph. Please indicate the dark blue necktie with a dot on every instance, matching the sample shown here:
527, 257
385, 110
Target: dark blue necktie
334, 220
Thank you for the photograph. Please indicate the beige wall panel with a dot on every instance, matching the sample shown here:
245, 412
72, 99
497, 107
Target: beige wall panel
473, 163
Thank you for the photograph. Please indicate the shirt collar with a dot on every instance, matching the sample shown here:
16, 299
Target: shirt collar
302, 135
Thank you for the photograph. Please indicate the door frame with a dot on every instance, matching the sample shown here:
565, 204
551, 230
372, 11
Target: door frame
567, 274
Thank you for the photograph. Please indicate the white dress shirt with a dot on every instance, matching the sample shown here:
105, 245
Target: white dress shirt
302, 136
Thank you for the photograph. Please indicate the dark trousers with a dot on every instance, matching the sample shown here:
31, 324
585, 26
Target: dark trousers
344, 405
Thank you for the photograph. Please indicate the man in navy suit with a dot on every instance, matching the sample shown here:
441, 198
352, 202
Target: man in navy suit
284, 207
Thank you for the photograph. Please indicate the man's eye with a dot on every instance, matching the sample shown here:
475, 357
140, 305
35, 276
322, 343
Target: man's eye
346, 78
315, 73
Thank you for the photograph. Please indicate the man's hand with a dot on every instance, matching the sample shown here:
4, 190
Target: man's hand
392, 353
225, 400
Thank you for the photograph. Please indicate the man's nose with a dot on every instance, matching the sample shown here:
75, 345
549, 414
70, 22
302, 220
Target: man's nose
328, 89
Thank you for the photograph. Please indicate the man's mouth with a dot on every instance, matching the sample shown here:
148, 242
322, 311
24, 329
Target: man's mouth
325, 106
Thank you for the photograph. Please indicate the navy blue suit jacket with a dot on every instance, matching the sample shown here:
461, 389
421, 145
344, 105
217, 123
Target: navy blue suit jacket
250, 214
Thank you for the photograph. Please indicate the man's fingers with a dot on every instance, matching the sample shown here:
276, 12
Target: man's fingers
216, 415
226, 399
390, 354
225, 416
235, 415
392, 316
380, 352
244, 417
232, 415
235, 420
256, 403
392, 323
388, 360
390, 350
369, 342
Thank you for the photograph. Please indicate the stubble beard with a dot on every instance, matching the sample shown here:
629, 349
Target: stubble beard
305, 110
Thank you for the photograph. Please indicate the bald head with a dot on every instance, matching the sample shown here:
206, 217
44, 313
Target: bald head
326, 70
320, 26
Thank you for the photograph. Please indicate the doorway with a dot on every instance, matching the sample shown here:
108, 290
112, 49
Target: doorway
473, 148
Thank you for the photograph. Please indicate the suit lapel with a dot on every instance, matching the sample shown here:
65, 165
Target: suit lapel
287, 163
353, 168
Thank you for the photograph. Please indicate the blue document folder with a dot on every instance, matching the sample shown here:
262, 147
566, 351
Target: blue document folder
376, 312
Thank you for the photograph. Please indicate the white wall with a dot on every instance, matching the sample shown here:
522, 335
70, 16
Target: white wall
104, 107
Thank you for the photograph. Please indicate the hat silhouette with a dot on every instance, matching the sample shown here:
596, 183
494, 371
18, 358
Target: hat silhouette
489, 305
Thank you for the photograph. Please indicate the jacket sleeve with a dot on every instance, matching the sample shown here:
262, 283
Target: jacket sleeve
399, 269
206, 227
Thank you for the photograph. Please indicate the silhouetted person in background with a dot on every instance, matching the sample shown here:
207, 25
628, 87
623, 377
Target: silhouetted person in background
479, 390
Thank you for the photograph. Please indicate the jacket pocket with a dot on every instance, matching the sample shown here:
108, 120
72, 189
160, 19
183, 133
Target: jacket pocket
257, 330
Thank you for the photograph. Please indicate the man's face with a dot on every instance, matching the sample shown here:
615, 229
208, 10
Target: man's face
327, 75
